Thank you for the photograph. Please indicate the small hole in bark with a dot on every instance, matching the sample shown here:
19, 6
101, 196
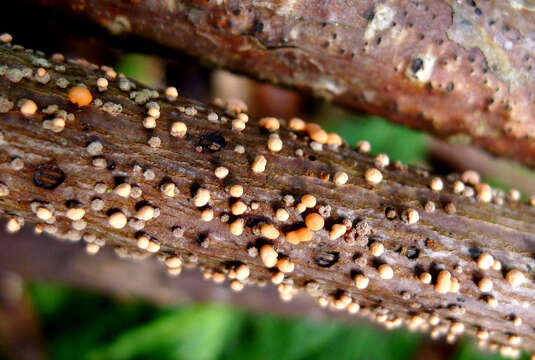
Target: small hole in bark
327, 259
416, 65
212, 142
48, 177
412, 252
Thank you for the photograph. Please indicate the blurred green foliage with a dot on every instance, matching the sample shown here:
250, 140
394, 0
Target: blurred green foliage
399, 143
84, 326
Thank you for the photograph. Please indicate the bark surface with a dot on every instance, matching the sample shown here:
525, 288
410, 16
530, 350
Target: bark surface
67, 182
447, 67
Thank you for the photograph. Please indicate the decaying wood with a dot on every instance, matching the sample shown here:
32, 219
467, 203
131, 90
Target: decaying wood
447, 67
71, 181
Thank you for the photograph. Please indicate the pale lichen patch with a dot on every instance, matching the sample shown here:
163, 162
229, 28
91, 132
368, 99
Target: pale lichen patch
420, 68
468, 34
382, 19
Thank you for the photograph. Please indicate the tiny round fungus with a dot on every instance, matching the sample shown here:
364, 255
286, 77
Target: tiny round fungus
236, 285
337, 230
274, 144
353, 308
221, 172
425, 278
334, 139
411, 216
236, 227
484, 192
485, 261
309, 200
143, 242
153, 247
269, 231
471, 177
123, 190
173, 262
443, 282
174, 271
373, 176
436, 184
259, 164
454, 285
28, 108
75, 214
361, 281
340, 177
80, 95
277, 277
314, 221
149, 122
242, 272
316, 133
457, 327
269, 123
102, 84
44, 213
382, 160
92, 249
207, 215
485, 284
363, 146
17, 164
281, 214
268, 255
515, 278
285, 265
117, 220
377, 249
236, 191
300, 235
171, 93
297, 124
458, 187
238, 208
145, 213
238, 125
514, 194
201, 198
385, 271
94, 148
179, 129
13, 225
6, 38
169, 189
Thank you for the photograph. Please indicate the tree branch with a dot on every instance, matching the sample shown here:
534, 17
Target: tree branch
258, 201
445, 67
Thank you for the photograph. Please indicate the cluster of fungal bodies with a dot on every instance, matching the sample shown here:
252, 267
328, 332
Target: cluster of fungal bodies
232, 189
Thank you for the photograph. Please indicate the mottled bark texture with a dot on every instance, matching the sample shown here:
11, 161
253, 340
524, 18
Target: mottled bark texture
447, 67
105, 172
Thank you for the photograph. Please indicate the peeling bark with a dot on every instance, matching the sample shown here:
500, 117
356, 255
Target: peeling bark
114, 176
447, 67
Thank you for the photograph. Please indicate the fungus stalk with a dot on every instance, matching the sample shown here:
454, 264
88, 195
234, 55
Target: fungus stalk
296, 225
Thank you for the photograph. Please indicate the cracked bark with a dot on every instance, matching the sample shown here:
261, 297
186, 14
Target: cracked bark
449, 68
59, 173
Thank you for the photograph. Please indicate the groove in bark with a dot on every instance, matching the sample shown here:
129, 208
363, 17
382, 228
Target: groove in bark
150, 172
447, 67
